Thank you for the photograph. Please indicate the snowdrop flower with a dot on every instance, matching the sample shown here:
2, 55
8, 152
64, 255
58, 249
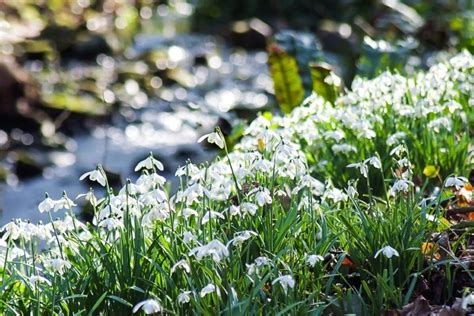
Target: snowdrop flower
440, 122
183, 264
262, 165
249, 208
111, 223
89, 196
234, 210
307, 181
401, 185
336, 135
263, 196
208, 289
351, 191
157, 213
431, 218
187, 212
63, 203
335, 194
47, 205
251, 269
397, 151
395, 138
387, 251
213, 138
260, 261
457, 182
374, 161
16, 252
285, 282
468, 300
149, 306
242, 236
363, 169
188, 237
214, 248
12, 230
191, 194
95, 175
343, 148
311, 260
209, 215
58, 265
149, 163
184, 297
425, 202
34, 279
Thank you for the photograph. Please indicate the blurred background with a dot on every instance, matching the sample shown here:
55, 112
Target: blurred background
99, 81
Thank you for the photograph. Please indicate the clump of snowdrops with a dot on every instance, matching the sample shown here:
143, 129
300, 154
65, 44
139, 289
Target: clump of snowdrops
325, 210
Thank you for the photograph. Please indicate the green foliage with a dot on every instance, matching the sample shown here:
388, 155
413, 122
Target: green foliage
273, 227
286, 80
325, 82
305, 49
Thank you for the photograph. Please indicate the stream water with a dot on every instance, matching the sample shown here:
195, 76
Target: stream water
216, 83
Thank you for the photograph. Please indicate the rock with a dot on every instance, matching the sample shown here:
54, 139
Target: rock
87, 49
18, 95
250, 34
27, 166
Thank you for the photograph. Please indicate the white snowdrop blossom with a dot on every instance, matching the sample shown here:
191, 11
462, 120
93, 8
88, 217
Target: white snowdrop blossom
352, 191
188, 237
442, 122
286, 281
343, 148
398, 150
35, 279
374, 161
183, 264
47, 205
234, 210
388, 252
149, 163
184, 297
401, 185
191, 194
188, 212
249, 208
216, 249
311, 260
242, 236
467, 301
335, 194
262, 196
208, 215
362, 166
208, 289
395, 138
457, 182
260, 261
149, 306
95, 175
213, 138
12, 230
111, 223
89, 196
58, 265
307, 181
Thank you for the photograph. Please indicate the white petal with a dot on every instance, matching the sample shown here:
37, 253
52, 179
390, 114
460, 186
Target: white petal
203, 137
